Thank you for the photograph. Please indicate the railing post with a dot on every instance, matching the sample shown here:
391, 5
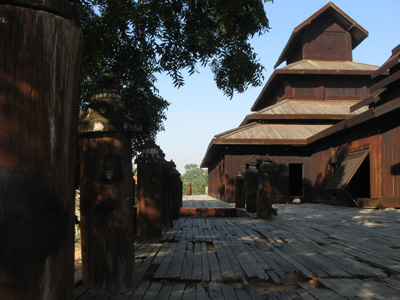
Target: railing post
239, 190
189, 189
176, 191
107, 200
150, 191
264, 189
251, 180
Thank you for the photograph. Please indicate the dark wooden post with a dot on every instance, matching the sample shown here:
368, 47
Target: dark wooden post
176, 191
251, 180
180, 195
40, 52
150, 191
189, 189
239, 190
135, 208
264, 189
107, 199
168, 193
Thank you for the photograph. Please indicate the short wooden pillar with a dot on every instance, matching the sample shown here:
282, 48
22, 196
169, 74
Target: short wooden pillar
168, 192
180, 195
251, 180
40, 50
239, 190
106, 190
189, 189
150, 191
264, 189
176, 191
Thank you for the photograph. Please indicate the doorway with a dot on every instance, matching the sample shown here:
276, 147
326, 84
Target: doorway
295, 179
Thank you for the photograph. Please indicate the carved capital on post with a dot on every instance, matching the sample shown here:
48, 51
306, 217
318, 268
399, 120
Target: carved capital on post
266, 165
239, 176
106, 112
252, 169
151, 153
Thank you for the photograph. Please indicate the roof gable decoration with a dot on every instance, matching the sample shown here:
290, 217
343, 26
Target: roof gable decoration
357, 32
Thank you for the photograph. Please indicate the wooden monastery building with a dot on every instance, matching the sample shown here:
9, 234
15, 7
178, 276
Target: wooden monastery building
328, 123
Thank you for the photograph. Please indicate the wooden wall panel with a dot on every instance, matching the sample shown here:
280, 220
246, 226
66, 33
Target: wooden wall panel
332, 46
325, 39
391, 164
216, 171
336, 148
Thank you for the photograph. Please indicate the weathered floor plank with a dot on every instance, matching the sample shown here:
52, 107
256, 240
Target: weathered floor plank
335, 252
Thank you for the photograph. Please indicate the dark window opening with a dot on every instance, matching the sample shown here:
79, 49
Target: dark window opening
359, 185
295, 179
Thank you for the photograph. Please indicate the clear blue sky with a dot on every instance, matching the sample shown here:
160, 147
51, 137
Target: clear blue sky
198, 110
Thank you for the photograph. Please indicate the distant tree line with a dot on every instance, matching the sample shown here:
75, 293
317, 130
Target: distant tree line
197, 177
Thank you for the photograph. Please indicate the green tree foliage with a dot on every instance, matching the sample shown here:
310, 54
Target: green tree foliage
136, 39
197, 177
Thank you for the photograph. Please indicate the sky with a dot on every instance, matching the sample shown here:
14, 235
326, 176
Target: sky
199, 110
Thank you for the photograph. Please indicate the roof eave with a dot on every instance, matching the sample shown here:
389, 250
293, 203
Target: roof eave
278, 72
390, 63
260, 117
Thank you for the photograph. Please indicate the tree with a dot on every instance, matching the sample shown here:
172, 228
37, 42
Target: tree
198, 177
136, 39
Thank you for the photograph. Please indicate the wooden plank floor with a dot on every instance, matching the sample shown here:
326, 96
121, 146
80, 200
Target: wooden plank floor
205, 201
307, 251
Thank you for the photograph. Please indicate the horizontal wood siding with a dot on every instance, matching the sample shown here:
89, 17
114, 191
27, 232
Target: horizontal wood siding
333, 42
329, 87
391, 159
215, 176
335, 149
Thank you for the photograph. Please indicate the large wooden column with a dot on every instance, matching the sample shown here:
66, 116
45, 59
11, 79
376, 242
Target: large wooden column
264, 189
251, 180
176, 191
40, 52
168, 192
150, 191
239, 191
107, 200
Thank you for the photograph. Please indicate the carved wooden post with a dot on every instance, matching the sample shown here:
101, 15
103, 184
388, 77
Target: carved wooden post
150, 191
107, 198
264, 189
251, 180
40, 52
239, 190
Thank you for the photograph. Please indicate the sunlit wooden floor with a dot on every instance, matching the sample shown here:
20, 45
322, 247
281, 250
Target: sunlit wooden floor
307, 251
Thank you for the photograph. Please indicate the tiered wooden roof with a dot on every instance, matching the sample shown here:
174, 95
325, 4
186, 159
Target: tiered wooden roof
290, 109
384, 97
319, 49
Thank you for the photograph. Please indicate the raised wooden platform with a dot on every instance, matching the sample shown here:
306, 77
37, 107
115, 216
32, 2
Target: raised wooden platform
308, 251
